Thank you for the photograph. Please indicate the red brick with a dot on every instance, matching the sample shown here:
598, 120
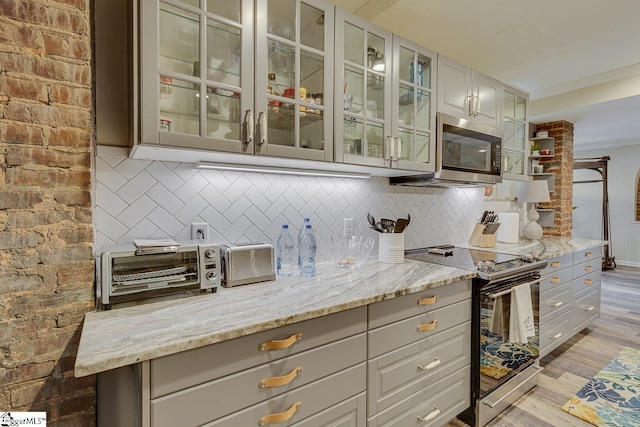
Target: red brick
46, 178
76, 235
65, 46
19, 199
17, 156
72, 138
71, 95
47, 68
36, 13
73, 198
18, 35
21, 133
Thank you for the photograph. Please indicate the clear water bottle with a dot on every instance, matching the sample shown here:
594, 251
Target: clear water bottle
304, 224
284, 252
307, 251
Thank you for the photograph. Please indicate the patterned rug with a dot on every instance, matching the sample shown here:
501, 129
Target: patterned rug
612, 396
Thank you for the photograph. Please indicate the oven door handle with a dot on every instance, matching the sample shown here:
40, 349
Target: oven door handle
508, 291
492, 405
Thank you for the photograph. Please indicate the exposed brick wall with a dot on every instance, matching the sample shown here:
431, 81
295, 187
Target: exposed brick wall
562, 167
46, 236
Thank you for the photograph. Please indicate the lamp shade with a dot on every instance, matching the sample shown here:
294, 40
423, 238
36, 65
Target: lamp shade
534, 192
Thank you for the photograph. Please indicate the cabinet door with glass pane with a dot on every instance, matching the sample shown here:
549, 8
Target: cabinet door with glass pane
294, 75
362, 95
413, 110
515, 134
196, 74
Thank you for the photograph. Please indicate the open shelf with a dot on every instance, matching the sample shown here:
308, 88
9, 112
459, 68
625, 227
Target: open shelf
546, 218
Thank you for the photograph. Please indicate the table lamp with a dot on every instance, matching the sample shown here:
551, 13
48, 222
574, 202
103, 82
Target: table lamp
533, 192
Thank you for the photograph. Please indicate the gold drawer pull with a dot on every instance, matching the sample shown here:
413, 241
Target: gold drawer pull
428, 326
431, 365
556, 336
588, 268
430, 416
428, 301
280, 381
588, 254
557, 304
282, 416
280, 344
555, 264
588, 308
555, 280
588, 281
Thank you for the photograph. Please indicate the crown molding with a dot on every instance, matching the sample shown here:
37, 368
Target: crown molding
620, 73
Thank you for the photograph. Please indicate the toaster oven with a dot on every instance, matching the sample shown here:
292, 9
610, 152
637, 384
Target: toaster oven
127, 273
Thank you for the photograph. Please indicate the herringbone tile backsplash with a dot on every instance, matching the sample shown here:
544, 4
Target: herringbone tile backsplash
152, 199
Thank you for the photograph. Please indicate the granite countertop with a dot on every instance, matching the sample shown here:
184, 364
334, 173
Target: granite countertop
545, 248
123, 336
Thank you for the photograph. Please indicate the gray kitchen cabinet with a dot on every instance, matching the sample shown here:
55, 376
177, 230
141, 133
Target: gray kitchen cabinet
468, 94
569, 297
515, 125
419, 357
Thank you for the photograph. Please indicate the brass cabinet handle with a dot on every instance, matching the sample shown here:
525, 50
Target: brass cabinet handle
557, 304
588, 254
588, 268
588, 281
431, 365
588, 308
280, 417
280, 381
428, 326
555, 280
556, 336
428, 301
280, 344
555, 264
430, 415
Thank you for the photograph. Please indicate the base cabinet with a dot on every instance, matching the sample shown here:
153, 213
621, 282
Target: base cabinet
569, 297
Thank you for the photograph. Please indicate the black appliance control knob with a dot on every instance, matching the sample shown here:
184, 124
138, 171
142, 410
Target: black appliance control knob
210, 253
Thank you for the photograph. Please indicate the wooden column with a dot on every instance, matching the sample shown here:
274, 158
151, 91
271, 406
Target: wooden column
562, 166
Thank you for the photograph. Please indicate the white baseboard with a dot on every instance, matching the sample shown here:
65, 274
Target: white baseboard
628, 263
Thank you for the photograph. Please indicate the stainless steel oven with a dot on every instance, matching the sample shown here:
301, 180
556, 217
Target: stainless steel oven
504, 322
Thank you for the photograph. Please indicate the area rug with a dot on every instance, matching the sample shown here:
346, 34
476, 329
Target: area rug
612, 396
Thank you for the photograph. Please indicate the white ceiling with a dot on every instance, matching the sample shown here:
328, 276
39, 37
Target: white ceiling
578, 59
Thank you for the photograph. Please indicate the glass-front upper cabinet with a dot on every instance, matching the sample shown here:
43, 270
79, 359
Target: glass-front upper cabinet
362, 93
294, 74
197, 74
515, 134
413, 111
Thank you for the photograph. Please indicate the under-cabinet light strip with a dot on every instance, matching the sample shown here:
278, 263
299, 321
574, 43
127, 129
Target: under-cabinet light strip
280, 170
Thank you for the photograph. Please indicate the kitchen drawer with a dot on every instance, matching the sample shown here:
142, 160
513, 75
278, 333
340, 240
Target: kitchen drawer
440, 402
586, 282
313, 398
385, 312
555, 301
407, 370
556, 278
242, 389
350, 413
595, 265
555, 332
200, 365
415, 328
558, 263
586, 308
588, 254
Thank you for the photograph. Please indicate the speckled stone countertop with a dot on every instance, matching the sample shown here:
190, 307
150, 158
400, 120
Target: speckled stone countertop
545, 248
123, 336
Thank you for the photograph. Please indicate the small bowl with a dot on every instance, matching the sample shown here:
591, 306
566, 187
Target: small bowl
351, 252
545, 152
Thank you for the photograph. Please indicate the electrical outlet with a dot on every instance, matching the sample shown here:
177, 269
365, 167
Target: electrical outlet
200, 231
348, 227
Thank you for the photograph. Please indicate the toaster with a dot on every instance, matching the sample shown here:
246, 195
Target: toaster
245, 263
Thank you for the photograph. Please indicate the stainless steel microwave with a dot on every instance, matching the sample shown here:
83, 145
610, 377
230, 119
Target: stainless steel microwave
467, 152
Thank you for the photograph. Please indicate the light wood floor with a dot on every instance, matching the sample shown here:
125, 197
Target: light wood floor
570, 367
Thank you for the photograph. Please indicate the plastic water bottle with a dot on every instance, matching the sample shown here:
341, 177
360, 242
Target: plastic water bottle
284, 252
307, 251
304, 224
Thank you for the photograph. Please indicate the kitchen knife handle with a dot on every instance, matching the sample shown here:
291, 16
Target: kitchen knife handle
280, 381
428, 300
280, 344
423, 327
430, 415
281, 416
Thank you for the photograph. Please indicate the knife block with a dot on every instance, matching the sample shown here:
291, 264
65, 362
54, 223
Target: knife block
482, 240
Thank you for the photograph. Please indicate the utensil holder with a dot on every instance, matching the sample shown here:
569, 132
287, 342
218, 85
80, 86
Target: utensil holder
391, 248
482, 240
